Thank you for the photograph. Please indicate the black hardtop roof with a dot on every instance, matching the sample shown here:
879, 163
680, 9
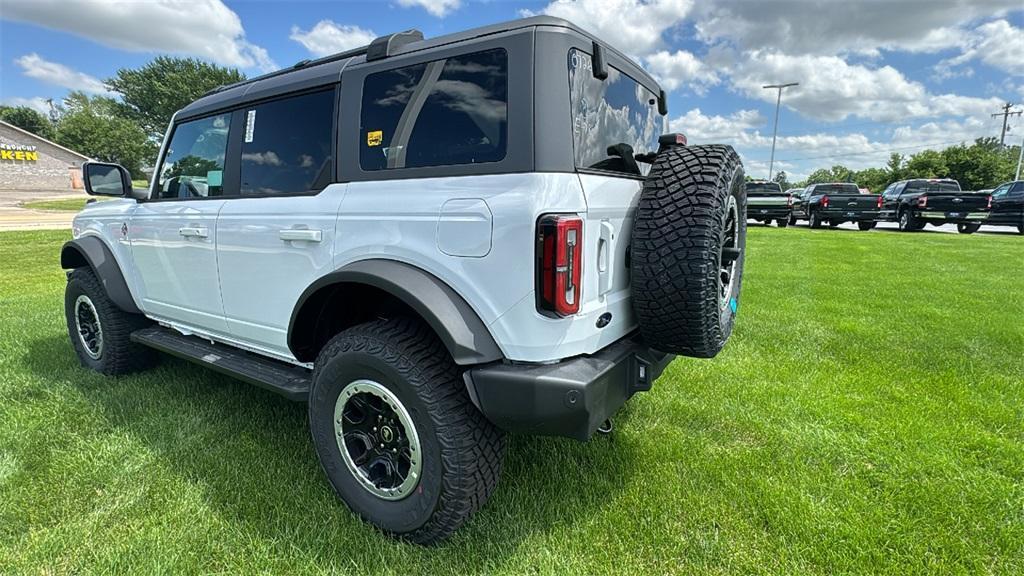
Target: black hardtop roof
323, 71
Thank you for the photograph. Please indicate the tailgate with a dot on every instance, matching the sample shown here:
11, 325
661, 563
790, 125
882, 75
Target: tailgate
956, 202
853, 202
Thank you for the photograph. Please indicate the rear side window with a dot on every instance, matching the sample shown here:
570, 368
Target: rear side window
446, 112
763, 188
287, 143
193, 166
615, 112
925, 186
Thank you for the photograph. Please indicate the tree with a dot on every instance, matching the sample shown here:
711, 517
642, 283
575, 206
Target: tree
874, 179
927, 164
92, 127
837, 173
895, 167
783, 180
981, 165
27, 119
152, 94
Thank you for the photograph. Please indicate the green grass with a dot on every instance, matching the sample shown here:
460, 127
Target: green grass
867, 417
62, 205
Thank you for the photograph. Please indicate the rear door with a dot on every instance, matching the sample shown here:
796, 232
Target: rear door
276, 237
1007, 203
612, 119
173, 233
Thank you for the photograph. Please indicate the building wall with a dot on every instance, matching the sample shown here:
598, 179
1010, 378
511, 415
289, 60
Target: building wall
51, 168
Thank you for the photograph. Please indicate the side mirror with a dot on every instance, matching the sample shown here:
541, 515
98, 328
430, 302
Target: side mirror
102, 179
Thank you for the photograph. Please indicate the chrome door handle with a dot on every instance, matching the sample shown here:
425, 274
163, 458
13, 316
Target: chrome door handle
194, 232
301, 235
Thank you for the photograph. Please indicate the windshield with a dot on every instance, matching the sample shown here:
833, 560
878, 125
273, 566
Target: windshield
938, 186
617, 111
763, 188
836, 189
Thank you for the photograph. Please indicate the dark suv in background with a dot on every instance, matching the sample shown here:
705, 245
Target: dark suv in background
1008, 206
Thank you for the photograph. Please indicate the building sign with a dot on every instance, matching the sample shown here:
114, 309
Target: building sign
18, 153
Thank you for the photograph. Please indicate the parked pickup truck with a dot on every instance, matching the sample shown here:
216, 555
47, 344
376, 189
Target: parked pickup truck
766, 202
1007, 206
914, 203
835, 203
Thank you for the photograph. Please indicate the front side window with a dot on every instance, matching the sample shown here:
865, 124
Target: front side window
446, 112
286, 145
1000, 191
1018, 189
611, 118
193, 166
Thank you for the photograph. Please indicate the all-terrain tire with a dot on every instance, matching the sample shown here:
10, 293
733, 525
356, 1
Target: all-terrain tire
109, 349
967, 228
692, 207
865, 226
782, 222
461, 451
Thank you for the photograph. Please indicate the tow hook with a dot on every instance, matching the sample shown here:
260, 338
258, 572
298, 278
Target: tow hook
606, 427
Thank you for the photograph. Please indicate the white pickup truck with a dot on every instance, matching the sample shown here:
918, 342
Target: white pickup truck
432, 242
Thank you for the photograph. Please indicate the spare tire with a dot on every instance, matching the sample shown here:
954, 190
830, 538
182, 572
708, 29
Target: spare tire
687, 249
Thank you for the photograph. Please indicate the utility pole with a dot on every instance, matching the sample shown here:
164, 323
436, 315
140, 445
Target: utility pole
775, 131
1006, 113
1020, 157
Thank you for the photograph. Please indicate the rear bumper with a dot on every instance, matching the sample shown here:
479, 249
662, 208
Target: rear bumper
838, 214
767, 213
570, 398
954, 217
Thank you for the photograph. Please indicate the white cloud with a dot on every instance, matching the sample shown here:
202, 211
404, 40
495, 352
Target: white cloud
998, 44
700, 128
681, 68
204, 28
841, 26
438, 8
329, 37
633, 26
41, 105
831, 89
35, 66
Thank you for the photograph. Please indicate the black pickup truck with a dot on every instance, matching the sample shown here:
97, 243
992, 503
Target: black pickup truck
1007, 206
766, 202
836, 203
914, 203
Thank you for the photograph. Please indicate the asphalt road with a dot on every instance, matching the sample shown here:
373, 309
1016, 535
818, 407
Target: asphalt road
14, 217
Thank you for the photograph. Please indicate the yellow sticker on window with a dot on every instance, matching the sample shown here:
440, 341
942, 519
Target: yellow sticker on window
374, 137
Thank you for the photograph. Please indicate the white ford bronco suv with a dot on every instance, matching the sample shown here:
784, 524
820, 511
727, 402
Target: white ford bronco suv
432, 242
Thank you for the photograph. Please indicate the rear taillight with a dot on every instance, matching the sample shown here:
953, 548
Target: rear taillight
990, 202
824, 201
789, 200
559, 264
922, 201
878, 204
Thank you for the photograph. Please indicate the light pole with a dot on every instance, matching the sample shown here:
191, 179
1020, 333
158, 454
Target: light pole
775, 131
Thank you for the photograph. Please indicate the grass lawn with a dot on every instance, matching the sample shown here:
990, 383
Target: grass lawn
62, 205
867, 417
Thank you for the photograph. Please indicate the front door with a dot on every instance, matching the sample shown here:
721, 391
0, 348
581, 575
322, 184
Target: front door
278, 236
173, 233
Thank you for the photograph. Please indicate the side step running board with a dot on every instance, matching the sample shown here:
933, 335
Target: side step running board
290, 381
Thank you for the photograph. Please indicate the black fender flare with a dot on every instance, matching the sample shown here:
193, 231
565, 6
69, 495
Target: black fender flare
92, 252
455, 322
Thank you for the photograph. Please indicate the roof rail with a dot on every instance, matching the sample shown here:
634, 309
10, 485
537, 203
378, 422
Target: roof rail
380, 48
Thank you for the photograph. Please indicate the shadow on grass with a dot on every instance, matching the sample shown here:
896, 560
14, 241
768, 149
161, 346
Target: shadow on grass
248, 451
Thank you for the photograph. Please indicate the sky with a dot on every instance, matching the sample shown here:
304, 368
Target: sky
875, 76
